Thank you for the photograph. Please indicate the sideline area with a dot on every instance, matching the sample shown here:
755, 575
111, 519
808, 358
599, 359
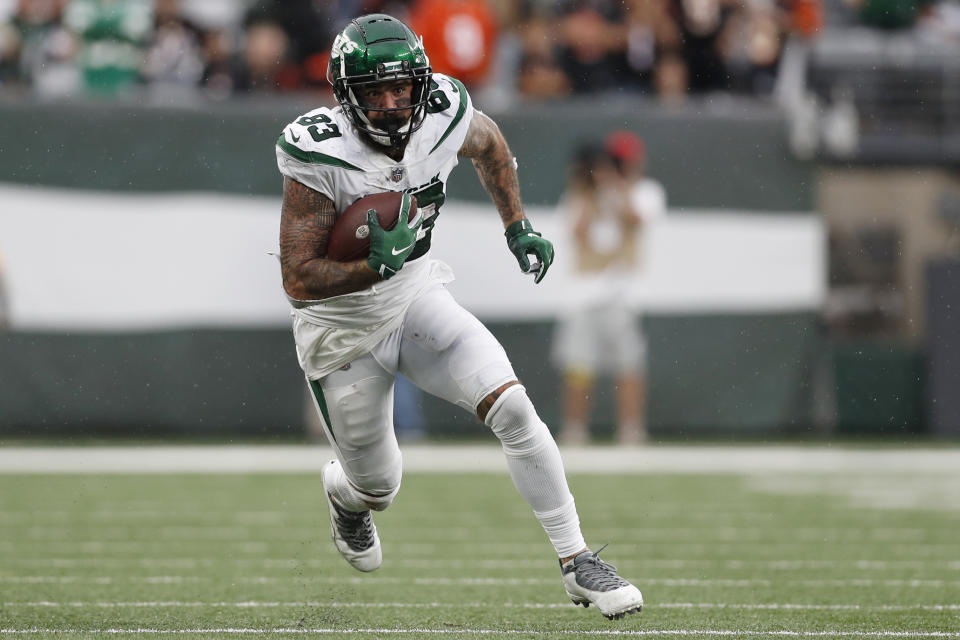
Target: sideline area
484, 458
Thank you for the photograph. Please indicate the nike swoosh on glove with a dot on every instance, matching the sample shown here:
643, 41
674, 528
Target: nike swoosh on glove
390, 249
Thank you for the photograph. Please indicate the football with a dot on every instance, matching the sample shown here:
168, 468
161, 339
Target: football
350, 237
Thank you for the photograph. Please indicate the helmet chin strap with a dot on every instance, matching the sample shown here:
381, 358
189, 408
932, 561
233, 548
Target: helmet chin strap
382, 136
385, 138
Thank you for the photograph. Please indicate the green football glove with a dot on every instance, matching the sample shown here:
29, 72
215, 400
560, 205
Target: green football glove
524, 242
390, 249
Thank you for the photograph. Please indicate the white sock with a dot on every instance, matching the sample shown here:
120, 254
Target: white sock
536, 468
346, 495
563, 527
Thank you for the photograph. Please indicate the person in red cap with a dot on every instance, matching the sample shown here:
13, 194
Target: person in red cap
610, 201
630, 155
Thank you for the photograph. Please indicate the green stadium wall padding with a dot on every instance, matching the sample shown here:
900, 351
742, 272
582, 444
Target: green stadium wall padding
720, 374
879, 387
729, 158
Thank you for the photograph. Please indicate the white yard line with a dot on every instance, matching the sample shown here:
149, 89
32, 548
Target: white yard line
487, 582
494, 632
481, 563
520, 550
505, 605
485, 458
679, 535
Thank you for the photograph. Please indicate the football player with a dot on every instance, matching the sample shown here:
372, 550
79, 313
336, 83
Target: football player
400, 127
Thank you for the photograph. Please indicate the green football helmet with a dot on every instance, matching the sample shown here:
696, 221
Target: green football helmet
375, 48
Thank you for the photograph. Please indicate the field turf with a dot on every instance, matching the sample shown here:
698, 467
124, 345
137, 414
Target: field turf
230, 555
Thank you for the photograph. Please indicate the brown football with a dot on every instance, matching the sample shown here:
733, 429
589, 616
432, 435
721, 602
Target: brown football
350, 236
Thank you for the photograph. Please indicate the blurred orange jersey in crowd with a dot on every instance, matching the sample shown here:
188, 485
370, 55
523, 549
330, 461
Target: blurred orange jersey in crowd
459, 36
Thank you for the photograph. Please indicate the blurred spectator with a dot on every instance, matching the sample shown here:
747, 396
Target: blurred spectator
265, 64
941, 23
648, 196
701, 24
461, 36
9, 54
608, 201
217, 77
36, 51
539, 74
650, 32
805, 17
175, 56
310, 27
671, 79
752, 43
593, 40
544, 49
113, 37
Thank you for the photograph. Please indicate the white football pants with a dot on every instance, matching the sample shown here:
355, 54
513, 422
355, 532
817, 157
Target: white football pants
447, 352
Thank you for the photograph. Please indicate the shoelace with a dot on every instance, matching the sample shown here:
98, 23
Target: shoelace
356, 528
598, 574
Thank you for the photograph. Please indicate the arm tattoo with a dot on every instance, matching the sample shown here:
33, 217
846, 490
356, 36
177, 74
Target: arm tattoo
494, 164
306, 218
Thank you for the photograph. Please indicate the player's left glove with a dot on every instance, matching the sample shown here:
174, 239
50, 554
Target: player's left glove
524, 242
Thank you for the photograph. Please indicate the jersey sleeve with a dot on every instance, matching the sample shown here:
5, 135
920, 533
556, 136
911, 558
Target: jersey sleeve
450, 101
309, 151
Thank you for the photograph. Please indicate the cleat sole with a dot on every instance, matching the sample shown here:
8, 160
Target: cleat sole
578, 600
623, 614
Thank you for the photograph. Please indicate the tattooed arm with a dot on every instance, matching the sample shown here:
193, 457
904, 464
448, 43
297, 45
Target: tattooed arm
491, 156
306, 218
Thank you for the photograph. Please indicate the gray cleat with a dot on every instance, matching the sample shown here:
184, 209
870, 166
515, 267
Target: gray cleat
589, 580
354, 535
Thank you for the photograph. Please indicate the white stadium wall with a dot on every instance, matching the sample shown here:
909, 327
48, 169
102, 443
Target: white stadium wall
105, 261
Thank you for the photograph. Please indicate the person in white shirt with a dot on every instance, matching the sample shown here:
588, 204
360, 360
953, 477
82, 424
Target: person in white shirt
609, 203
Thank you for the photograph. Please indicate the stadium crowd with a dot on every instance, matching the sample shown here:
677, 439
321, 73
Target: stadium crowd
528, 48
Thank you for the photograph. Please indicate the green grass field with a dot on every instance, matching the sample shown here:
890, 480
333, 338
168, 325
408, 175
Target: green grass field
105, 555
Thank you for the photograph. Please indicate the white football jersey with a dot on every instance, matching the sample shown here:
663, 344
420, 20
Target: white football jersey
322, 150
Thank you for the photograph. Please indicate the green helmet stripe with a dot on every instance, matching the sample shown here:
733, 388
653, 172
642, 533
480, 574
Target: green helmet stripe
461, 108
314, 157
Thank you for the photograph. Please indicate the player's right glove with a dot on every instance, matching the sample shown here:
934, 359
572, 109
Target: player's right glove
524, 242
390, 249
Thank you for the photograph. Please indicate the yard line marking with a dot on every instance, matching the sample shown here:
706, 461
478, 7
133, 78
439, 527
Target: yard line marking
507, 605
522, 548
201, 532
496, 582
804, 607
499, 632
713, 512
672, 582
96, 560
917, 550
642, 534
101, 579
